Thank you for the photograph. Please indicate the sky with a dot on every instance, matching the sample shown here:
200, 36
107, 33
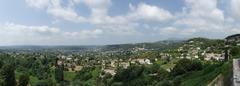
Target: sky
101, 22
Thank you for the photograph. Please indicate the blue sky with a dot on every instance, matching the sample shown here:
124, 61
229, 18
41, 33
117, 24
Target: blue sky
100, 22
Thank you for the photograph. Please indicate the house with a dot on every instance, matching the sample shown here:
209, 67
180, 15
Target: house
125, 64
196, 56
141, 61
147, 61
110, 71
210, 56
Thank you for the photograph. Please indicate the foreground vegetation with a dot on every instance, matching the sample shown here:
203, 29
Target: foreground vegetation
164, 68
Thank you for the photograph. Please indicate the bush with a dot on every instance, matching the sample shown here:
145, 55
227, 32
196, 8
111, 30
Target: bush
131, 73
186, 65
235, 51
165, 83
8, 75
177, 81
23, 80
42, 83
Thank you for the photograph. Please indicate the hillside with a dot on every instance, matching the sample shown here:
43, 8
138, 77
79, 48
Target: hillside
193, 62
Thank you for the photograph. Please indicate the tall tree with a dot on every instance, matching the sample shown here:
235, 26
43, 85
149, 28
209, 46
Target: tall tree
23, 80
8, 76
1, 64
186, 65
59, 73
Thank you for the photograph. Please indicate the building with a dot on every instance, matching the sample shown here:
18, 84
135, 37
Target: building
210, 56
141, 61
233, 38
236, 72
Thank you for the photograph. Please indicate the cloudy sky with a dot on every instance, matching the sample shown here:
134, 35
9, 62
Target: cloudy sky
98, 22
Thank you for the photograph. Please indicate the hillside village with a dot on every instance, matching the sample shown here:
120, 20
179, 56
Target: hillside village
109, 64
198, 48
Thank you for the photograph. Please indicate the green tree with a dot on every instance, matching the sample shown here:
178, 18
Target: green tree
196, 65
59, 75
181, 67
186, 65
8, 75
84, 74
177, 81
162, 74
1, 64
235, 51
165, 83
129, 74
42, 83
23, 80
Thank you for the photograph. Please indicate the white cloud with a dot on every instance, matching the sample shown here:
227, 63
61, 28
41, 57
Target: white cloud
205, 9
97, 4
235, 30
84, 34
120, 30
235, 8
12, 33
201, 18
98, 16
29, 30
99, 9
99, 12
65, 13
111, 25
198, 18
57, 10
200, 13
170, 32
38, 3
150, 12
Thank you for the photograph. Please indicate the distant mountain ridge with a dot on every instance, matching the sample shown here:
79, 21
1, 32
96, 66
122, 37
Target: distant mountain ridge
158, 45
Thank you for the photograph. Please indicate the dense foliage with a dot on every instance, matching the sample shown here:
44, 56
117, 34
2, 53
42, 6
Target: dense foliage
24, 80
7, 75
186, 65
40, 67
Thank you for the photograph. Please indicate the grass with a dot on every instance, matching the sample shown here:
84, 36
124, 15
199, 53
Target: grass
96, 72
198, 79
168, 66
160, 62
204, 77
17, 75
69, 76
33, 79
